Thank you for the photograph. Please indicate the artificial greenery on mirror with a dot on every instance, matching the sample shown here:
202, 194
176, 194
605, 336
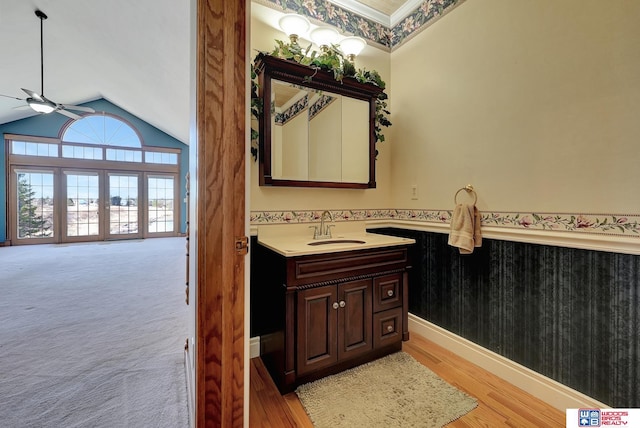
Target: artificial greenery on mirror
256, 111
330, 59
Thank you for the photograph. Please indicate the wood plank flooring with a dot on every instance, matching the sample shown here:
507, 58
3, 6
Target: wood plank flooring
500, 404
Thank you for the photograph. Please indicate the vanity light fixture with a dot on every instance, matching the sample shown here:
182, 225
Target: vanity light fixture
294, 26
325, 37
352, 46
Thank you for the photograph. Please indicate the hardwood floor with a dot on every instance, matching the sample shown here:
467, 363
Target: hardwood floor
500, 404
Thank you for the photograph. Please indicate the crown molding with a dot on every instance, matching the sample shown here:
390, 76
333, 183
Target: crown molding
366, 11
404, 11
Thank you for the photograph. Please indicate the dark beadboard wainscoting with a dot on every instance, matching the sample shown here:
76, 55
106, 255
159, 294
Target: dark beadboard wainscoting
572, 315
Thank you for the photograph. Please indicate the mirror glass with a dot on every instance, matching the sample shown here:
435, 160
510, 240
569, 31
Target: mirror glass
318, 135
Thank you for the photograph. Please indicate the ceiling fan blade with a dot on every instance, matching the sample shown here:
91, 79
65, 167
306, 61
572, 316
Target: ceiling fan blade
79, 108
34, 95
11, 96
68, 114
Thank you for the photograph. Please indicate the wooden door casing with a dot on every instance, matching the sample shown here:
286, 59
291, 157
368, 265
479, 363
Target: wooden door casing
221, 145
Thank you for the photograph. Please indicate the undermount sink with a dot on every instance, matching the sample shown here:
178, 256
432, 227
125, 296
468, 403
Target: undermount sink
337, 241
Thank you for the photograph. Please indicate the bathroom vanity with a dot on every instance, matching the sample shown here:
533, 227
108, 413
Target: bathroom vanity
331, 304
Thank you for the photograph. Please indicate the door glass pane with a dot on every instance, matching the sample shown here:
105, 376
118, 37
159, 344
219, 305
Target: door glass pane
161, 204
123, 201
35, 205
83, 191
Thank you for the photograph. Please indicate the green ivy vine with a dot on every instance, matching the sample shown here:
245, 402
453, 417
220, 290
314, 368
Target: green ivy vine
332, 60
256, 111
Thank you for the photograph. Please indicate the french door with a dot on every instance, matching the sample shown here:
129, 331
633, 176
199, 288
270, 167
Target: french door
101, 205
123, 211
70, 205
82, 210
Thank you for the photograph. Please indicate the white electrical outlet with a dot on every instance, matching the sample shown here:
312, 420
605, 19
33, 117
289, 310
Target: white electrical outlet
414, 192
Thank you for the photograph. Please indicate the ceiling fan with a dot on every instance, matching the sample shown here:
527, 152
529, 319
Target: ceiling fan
40, 103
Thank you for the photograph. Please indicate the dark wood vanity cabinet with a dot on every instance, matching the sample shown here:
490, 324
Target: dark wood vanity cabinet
325, 313
333, 324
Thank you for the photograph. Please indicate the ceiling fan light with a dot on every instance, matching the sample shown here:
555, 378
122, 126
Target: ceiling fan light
41, 106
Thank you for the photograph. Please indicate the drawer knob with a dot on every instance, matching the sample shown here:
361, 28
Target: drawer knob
335, 305
390, 293
342, 303
389, 328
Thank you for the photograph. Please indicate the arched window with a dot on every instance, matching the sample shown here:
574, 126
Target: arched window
102, 129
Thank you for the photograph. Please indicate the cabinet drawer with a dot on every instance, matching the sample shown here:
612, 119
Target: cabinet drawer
338, 266
387, 327
387, 292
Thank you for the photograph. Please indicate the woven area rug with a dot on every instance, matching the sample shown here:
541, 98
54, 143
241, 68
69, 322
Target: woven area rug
393, 391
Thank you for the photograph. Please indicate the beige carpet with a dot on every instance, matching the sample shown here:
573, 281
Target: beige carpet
92, 335
394, 391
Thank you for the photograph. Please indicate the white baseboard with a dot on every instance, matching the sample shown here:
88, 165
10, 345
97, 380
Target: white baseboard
542, 387
254, 347
190, 387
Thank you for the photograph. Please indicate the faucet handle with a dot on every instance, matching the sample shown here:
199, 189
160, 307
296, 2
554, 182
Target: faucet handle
328, 231
315, 231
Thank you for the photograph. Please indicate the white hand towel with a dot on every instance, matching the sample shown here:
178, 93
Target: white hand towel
465, 231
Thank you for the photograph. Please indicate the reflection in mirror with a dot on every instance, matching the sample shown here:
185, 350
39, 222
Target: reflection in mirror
318, 135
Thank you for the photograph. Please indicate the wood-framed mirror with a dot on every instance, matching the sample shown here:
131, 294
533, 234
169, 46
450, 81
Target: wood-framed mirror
314, 131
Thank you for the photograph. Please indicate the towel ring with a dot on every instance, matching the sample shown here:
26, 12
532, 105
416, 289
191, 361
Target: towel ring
469, 189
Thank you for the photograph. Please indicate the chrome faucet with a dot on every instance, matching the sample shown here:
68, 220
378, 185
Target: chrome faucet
325, 231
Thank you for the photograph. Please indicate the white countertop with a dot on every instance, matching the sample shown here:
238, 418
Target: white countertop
294, 240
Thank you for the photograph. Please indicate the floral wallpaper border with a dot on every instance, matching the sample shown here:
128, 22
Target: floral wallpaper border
323, 102
349, 22
295, 109
601, 224
301, 105
426, 14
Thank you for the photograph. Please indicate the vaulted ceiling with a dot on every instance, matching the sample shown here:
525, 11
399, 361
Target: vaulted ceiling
135, 54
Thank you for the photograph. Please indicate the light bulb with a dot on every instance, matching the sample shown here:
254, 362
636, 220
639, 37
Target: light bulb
324, 37
294, 26
352, 46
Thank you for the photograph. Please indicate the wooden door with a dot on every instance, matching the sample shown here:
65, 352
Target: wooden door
317, 324
354, 318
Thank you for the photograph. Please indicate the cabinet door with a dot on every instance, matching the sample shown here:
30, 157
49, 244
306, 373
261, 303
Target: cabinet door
354, 318
317, 328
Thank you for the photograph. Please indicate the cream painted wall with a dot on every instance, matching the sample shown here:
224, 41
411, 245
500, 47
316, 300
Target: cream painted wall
536, 103
355, 167
293, 156
325, 144
275, 198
